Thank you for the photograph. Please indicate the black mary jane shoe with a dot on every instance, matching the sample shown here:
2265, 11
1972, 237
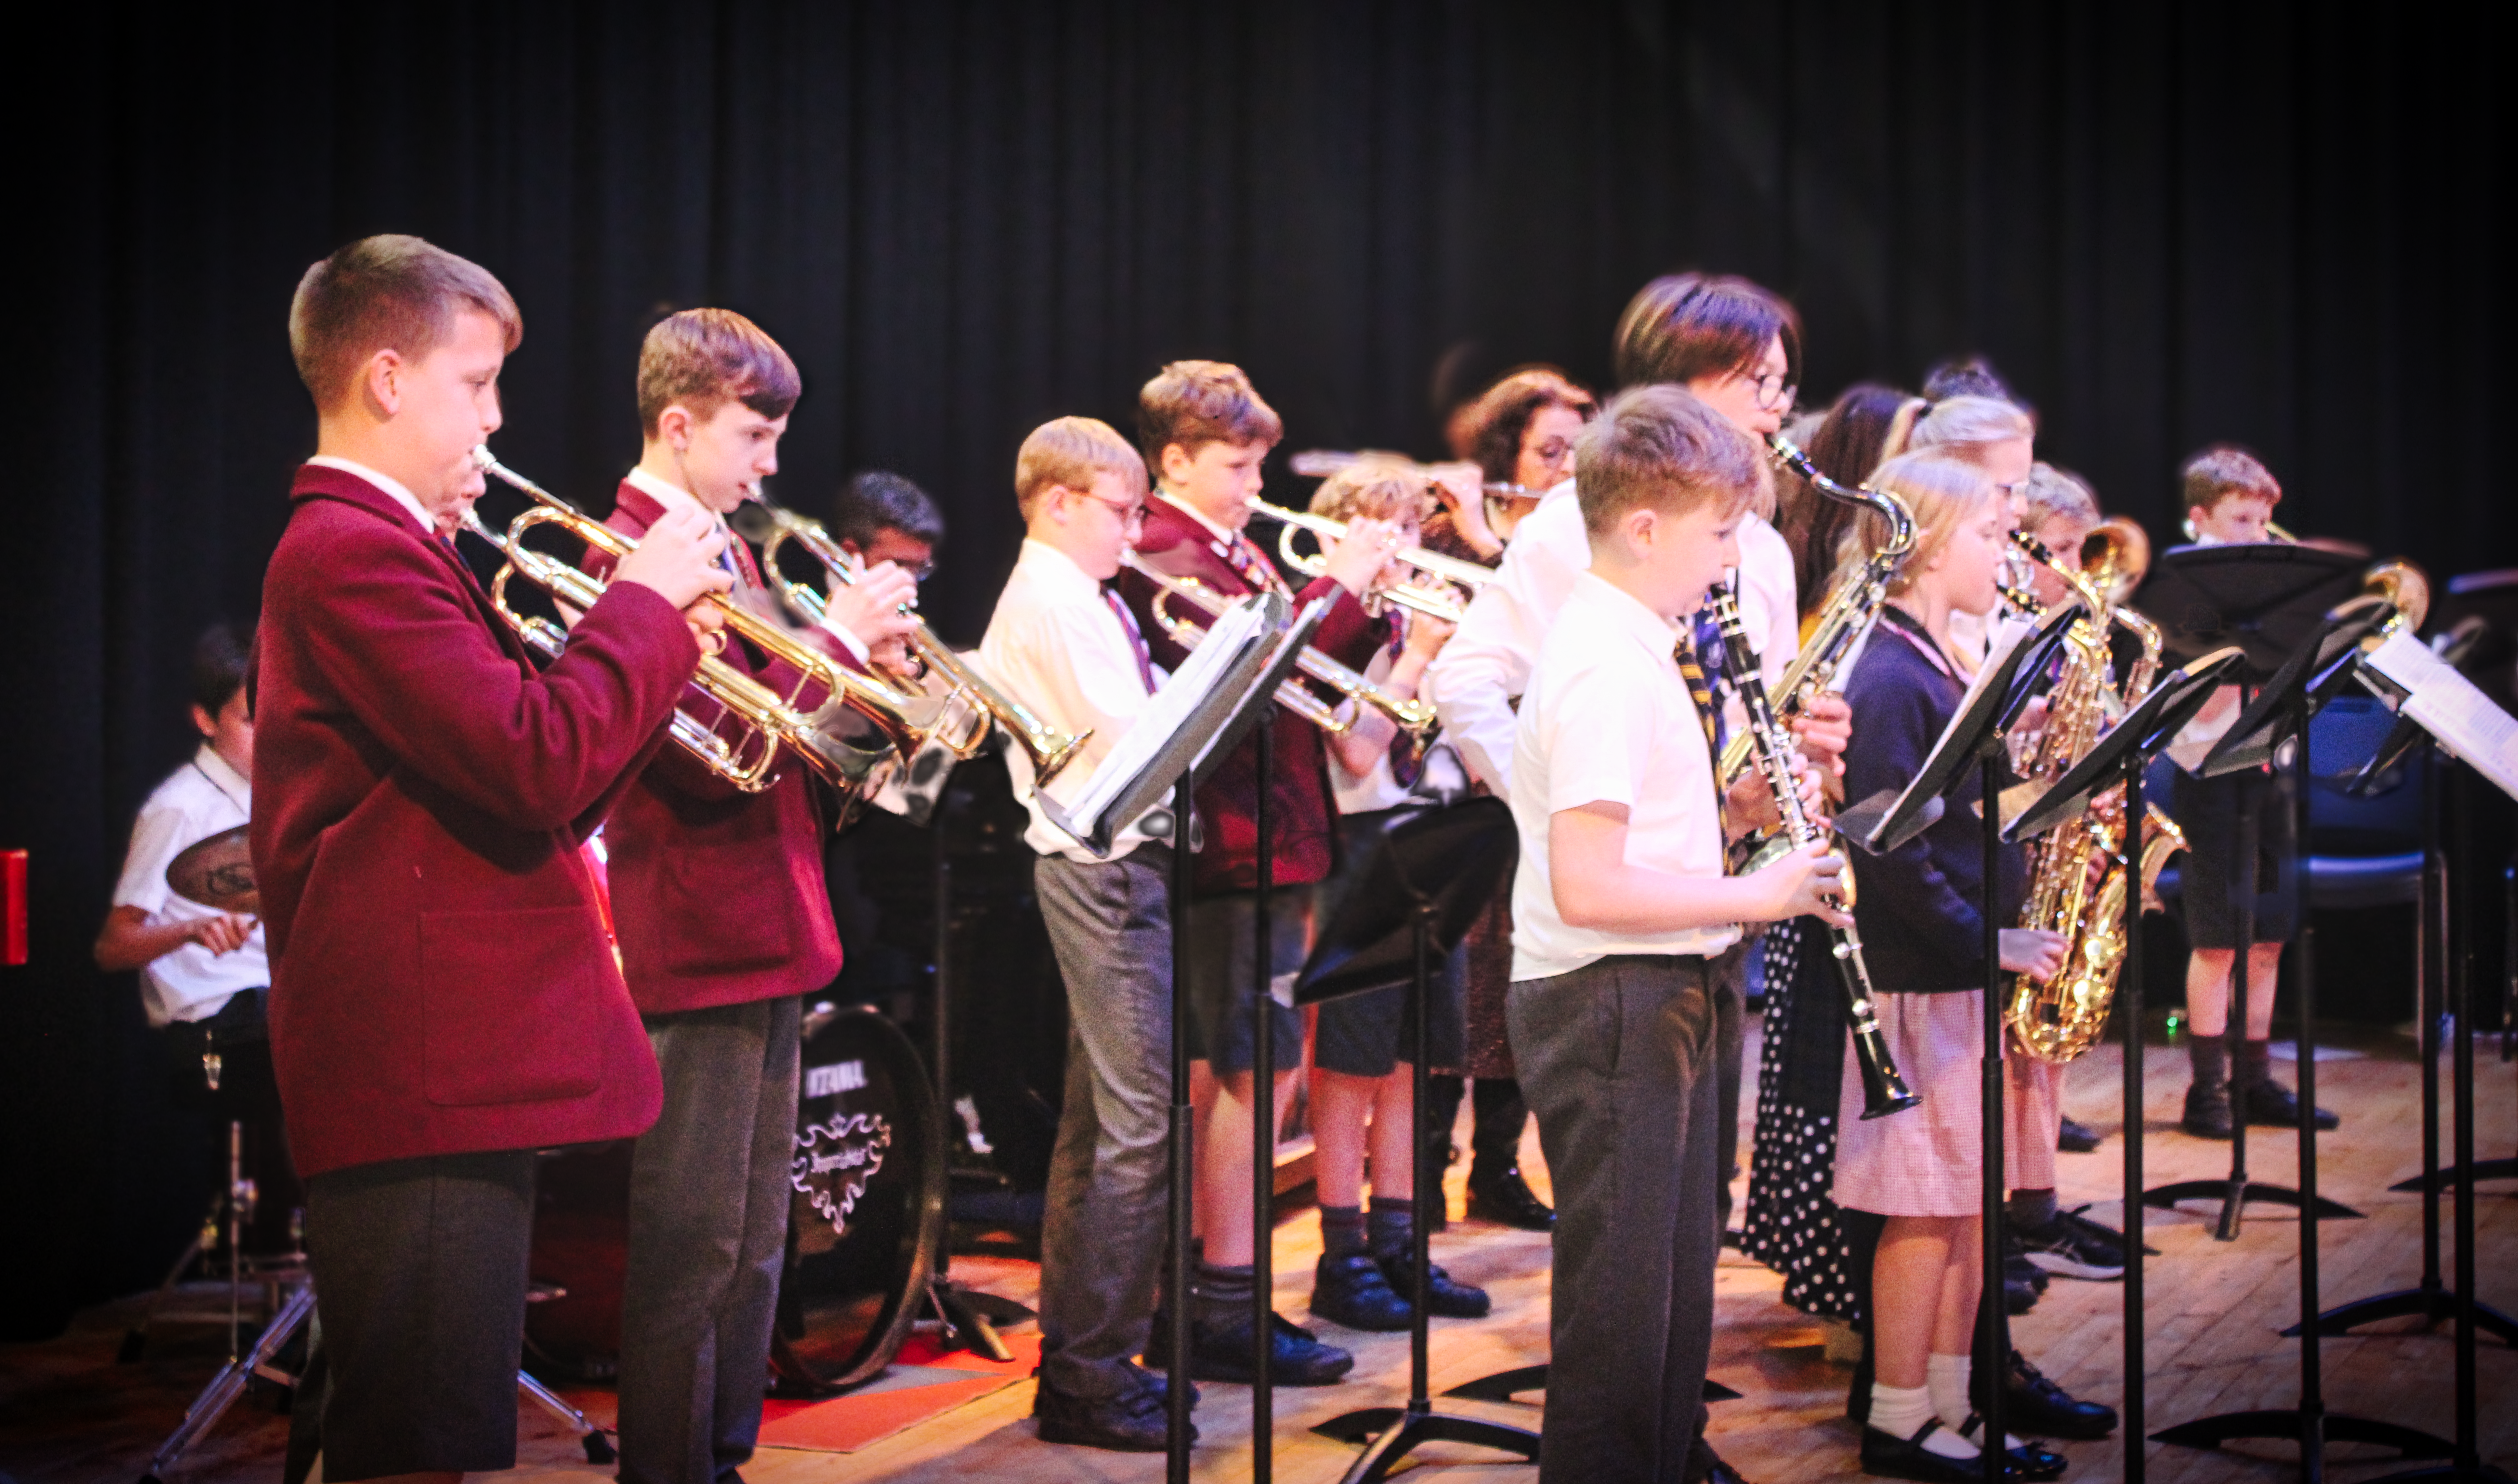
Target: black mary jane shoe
1446, 1297
1352, 1291
2031, 1402
1221, 1352
2028, 1461
1507, 1200
1887, 1455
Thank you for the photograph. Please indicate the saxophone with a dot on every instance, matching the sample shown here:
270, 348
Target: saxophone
1851, 608
2078, 880
1884, 1091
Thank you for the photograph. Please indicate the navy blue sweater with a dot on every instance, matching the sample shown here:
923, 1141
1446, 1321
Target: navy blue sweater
1919, 907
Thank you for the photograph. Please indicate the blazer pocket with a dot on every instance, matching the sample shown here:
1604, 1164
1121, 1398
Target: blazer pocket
720, 917
508, 1001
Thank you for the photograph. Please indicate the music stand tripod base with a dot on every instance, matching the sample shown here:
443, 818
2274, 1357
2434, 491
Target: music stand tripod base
1508, 1385
2436, 1306
2285, 1425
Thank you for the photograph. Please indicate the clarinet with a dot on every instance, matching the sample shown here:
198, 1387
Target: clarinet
1884, 1091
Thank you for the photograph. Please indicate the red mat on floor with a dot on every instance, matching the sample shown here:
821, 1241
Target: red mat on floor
920, 1384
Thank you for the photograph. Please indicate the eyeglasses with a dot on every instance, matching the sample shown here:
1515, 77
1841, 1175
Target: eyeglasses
1132, 514
1773, 390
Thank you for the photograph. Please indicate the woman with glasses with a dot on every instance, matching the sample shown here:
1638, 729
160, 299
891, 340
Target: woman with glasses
1518, 433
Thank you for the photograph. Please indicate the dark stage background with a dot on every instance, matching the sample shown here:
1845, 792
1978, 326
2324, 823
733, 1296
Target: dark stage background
2167, 224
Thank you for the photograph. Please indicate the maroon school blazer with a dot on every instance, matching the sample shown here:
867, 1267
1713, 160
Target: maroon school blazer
717, 894
1303, 814
441, 980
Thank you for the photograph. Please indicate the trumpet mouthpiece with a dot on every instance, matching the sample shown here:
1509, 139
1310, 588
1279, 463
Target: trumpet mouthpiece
482, 459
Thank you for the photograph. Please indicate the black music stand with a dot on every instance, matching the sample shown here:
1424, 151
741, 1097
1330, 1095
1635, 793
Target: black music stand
1426, 883
2272, 602
2430, 1298
2275, 727
1236, 707
2124, 750
2003, 688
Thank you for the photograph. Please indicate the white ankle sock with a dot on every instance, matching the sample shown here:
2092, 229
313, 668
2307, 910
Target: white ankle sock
1946, 1378
1903, 1410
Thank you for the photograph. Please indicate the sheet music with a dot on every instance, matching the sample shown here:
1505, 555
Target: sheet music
2449, 708
1227, 639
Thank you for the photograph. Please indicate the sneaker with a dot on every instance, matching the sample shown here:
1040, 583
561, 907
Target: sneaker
2074, 1246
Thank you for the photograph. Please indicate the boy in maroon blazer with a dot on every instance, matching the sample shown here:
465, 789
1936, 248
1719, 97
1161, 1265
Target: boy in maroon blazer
723, 921
443, 1001
1205, 432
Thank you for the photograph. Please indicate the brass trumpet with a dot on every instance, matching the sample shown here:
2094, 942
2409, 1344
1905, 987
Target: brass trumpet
829, 735
965, 690
1416, 716
1431, 600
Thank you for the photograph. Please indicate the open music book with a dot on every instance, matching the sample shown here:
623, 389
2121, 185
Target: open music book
2449, 708
1194, 718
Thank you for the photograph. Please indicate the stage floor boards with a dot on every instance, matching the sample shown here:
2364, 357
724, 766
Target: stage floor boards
66, 1412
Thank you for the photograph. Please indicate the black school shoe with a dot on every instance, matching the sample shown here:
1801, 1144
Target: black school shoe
1352, 1291
1444, 1297
2271, 1104
1507, 1200
1221, 1352
2207, 1111
1135, 1421
2027, 1461
1887, 1455
2076, 1137
2033, 1404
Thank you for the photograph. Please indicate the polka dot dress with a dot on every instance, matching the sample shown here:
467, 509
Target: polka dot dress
1792, 1223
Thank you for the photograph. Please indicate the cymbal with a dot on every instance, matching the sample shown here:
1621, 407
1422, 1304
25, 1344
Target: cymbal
217, 872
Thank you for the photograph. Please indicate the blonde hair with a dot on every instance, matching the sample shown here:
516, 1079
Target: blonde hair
2053, 492
1657, 446
1377, 489
385, 292
1969, 422
1941, 490
1068, 452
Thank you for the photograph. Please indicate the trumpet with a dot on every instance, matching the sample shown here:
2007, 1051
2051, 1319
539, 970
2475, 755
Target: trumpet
1415, 716
1430, 600
830, 734
966, 691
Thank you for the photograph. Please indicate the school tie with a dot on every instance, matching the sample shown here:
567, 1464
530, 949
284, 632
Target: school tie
1700, 688
1252, 565
1136, 637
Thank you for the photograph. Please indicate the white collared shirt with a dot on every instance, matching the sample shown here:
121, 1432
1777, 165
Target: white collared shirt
1220, 533
1378, 788
1056, 644
203, 798
673, 496
1608, 720
386, 481
1487, 665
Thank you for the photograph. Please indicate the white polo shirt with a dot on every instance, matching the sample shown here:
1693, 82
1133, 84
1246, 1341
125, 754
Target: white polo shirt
203, 798
1608, 719
1487, 665
1062, 648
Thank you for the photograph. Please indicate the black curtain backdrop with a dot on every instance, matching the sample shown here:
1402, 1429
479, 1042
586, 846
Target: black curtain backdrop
2168, 223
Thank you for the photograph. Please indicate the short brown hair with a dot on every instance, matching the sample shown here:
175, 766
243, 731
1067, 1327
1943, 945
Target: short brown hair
1487, 429
703, 359
1377, 489
1658, 445
2225, 470
1690, 324
387, 292
1070, 452
1195, 402
2052, 493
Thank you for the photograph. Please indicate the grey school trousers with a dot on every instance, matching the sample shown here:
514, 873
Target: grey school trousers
1618, 1060
708, 1236
1103, 1233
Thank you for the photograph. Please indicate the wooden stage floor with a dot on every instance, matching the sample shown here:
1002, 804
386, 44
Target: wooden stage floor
66, 1412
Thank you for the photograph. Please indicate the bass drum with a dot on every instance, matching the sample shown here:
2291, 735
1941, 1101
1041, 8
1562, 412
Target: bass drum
865, 1219
867, 1214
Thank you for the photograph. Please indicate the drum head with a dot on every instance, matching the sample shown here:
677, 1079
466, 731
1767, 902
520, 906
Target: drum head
217, 872
867, 1212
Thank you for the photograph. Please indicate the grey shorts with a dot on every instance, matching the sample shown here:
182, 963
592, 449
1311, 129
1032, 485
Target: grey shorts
419, 1285
2207, 810
1368, 1035
1223, 983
